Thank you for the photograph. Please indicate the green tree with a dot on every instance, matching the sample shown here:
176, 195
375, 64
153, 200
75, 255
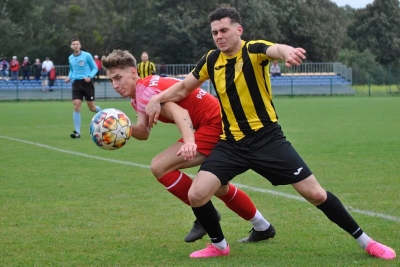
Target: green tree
315, 25
365, 69
377, 28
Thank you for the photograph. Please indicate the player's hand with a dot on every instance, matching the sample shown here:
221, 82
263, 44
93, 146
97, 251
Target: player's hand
187, 151
66, 80
294, 56
153, 109
87, 79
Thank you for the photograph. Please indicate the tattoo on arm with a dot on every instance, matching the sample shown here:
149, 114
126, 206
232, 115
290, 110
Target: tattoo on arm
190, 125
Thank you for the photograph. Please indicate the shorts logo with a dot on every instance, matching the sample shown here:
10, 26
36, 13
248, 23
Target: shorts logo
298, 171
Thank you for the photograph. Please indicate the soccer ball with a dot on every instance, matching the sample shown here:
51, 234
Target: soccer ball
110, 129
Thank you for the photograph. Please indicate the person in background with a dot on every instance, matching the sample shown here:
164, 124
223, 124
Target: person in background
4, 67
275, 70
26, 69
251, 138
14, 67
82, 69
52, 77
46, 67
98, 64
146, 67
163, 70
37, 68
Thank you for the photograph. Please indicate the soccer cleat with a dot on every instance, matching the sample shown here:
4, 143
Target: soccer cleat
256, 236
379, 250
197, 232
75, 134
210, 251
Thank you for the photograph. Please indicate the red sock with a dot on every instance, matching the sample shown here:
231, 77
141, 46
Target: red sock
239, 202
178, 184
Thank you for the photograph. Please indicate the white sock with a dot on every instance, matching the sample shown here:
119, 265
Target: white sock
363, 240
259, 222
221, 245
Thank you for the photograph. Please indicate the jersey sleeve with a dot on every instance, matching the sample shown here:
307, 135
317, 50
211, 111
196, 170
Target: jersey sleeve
259, 47
143, 95
201, 71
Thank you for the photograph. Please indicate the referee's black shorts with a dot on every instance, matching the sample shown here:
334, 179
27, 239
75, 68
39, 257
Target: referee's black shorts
82, 89
266, 152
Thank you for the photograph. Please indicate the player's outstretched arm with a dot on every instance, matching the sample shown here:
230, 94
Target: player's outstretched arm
184, 123
291, 55
174, 93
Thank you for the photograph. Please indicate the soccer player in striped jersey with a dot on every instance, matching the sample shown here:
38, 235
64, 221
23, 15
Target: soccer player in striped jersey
146, 67
252, 137
198, 119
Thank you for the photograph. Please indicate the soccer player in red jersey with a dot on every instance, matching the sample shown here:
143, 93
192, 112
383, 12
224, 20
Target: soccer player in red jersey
199, 121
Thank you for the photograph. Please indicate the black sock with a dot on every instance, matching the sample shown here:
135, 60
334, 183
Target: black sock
337, 213
208, 217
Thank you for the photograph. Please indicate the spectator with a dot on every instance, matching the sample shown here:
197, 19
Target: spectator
163, 70
4, 67
14, 67
275, 70
98, 64
47, 65
26, 68
52, 77
37, 68
146, 68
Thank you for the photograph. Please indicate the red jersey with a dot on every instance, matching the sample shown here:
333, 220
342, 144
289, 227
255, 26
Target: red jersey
203, 107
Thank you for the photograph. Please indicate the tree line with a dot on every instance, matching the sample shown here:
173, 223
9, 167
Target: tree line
178, 32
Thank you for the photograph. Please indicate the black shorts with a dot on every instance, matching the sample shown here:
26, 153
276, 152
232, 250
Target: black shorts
81, 89
267, 152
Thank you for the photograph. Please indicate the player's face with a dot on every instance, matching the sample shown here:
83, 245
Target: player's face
145, 57
76, 46
226, 35
123, 80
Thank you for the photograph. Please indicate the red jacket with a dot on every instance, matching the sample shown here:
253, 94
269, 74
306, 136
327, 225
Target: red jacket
52, 74
14, 65
98, 63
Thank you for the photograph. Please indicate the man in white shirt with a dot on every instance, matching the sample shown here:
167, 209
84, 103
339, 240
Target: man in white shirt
47, 64
275, 70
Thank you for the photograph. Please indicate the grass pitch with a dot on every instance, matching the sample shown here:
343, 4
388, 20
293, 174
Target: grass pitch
66, 202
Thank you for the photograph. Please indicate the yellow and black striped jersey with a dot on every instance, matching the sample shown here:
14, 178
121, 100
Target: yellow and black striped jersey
243, 87
146, 68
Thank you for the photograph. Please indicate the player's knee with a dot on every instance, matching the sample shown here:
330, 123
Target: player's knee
197, 198
157, 170
317, 197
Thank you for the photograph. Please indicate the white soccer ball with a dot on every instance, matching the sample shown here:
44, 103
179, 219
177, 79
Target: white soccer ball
110, 129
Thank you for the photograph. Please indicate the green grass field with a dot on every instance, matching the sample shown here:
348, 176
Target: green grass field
66, 202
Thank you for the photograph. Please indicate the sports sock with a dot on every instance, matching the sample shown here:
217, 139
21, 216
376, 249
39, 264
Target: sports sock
239, 202
178, 184
77, 121
363, 240
337, 213
208, 217
221, 245
259, 223
98, 108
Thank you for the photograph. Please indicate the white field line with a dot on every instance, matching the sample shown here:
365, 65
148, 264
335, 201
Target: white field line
243, 186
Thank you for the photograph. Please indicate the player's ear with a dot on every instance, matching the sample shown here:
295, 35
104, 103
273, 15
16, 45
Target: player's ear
71, 46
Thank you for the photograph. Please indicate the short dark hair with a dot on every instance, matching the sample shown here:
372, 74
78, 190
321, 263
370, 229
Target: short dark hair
75, 39
225, 12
